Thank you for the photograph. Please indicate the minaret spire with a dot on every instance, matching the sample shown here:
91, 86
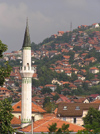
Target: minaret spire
27, 42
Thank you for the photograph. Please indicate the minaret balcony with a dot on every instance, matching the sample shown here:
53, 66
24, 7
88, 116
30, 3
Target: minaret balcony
26, 68
26, 71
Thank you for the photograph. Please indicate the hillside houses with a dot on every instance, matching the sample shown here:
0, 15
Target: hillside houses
72, 57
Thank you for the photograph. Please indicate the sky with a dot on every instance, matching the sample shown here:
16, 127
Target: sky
45, 18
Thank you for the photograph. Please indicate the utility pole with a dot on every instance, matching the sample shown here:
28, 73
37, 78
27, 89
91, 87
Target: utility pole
32, 124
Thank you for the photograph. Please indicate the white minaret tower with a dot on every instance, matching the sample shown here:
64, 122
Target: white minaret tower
26, 73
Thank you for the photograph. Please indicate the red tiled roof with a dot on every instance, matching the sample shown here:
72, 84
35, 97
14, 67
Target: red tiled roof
66, 56
68, 72
94, 68
78, 81
34, 75
94, 95
43, 124
15, 121
50, 85
62, 32
35, 108
72, 86
95, 101
3, 88
83, 70
53, 93
65, 99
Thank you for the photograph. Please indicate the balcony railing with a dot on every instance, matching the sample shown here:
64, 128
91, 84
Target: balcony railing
26, 68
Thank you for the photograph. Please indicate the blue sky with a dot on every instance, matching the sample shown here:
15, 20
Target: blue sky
46, 17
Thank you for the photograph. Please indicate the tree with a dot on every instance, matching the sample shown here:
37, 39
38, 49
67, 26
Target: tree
63, 130
46, 90
4, 69
5, 117
3, 48
92, 120
49, 107
53, 127
46, 100
89, 76
5, 105
56, 97
58, 89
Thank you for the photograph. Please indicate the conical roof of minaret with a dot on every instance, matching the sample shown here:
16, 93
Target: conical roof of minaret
27, 42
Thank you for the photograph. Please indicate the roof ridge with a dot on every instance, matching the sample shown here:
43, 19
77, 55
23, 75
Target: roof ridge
42, 123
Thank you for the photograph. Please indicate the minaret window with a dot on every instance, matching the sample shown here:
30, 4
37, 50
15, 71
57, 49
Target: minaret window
28, 66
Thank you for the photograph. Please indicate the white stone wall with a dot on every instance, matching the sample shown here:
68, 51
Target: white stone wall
26, 100
27, 56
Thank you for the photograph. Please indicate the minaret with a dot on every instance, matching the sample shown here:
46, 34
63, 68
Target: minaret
26, 73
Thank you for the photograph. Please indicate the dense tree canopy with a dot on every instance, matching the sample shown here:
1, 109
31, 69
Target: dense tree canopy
92, 120
5, 117
4, 69
5, 106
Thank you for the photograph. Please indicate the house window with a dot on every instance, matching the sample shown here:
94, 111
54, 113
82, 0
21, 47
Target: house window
77, 108
65, 108
18, 106
74, 120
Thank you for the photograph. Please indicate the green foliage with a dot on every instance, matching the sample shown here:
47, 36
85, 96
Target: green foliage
58, 89
56, 97
47, 40
63, 130
85, 132
3, 48
46, 90
73, 77
35, 83
34, 46
4, 72
5, 69
92, 120
85, 86
77, 48
89, 76
16, 83
53, 127
5, 117
49, 107
89, 31
46, 100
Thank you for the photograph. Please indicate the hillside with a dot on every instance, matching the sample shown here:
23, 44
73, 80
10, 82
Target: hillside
68, 59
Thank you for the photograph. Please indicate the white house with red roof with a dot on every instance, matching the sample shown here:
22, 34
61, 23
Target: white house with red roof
94, 70
51, 86
37, 111
95, 25
60, 33
95, 81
